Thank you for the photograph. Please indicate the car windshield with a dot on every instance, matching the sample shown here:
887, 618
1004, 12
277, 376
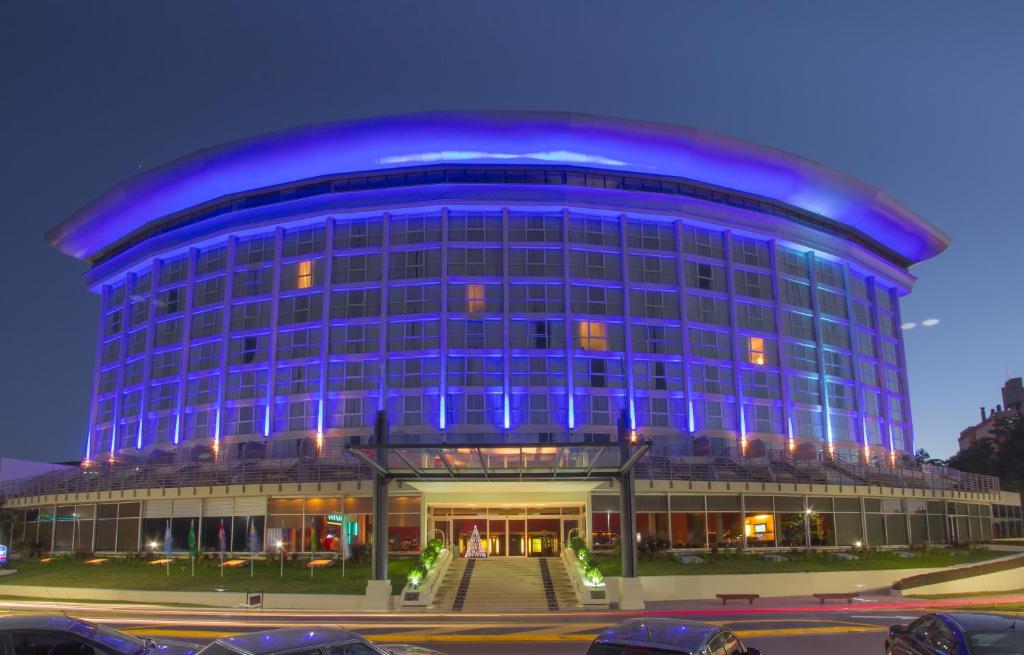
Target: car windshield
618, 649
1006, 642
111, 639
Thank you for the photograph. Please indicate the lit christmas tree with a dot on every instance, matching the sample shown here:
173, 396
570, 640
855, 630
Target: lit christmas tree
473, 550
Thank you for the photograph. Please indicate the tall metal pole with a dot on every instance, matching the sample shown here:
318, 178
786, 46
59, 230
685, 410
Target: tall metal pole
627, 502
380, 500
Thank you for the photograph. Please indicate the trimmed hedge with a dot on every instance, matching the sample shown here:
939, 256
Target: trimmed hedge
586, 559
426, 560
960, 573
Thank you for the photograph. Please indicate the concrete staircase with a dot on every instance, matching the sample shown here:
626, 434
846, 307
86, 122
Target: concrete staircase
500, 584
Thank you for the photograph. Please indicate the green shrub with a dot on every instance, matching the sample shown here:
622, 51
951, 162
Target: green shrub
416, 574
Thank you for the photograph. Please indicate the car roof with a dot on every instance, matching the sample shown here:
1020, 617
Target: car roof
38, 622
669, 634
272, 641
969, 621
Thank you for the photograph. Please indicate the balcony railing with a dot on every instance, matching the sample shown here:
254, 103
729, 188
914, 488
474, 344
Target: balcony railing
725, 466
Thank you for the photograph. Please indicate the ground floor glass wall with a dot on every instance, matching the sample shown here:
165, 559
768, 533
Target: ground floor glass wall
724, 521
504, 531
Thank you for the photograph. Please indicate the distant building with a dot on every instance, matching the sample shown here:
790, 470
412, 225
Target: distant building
1013, 402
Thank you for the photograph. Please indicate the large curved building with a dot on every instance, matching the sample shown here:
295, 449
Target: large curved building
496, 298
497, 276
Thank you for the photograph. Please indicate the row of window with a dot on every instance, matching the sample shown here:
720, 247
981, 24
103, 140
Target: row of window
464, 227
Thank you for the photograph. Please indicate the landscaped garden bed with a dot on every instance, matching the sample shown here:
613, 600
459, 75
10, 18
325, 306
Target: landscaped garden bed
738, 562
139, 574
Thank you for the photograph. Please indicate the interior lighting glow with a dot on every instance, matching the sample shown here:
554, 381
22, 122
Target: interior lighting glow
592, 335
908, 326
756, 350
304, 274
928, 322
474, 298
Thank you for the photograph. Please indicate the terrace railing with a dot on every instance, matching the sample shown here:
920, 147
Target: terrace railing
726, 465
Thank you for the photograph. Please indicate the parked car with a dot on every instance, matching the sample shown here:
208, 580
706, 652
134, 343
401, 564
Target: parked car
658, 636
957, 633
305, 641
62, 635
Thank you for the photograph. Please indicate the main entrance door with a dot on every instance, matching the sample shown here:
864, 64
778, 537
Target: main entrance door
506, 531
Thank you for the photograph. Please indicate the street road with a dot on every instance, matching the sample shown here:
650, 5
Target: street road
794, 630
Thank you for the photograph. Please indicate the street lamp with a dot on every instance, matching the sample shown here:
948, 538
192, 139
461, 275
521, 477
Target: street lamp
280, 550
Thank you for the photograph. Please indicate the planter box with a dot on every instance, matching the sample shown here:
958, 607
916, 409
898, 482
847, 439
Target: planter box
590, 596
423, 594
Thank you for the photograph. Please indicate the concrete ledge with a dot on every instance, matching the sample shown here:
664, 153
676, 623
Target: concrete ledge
424, 594
999, 581
768, 585
341, 602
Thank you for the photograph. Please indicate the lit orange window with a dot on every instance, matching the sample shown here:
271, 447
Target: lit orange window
304, 275
474, 298
593, 335
756, 350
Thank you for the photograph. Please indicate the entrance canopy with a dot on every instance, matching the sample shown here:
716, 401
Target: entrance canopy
500, 461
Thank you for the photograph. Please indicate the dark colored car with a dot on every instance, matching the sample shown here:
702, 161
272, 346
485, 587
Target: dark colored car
305, 641
957, 633
657, 636
62, 635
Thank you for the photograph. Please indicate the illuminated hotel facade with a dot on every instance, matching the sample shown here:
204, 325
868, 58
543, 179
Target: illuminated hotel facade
502, 278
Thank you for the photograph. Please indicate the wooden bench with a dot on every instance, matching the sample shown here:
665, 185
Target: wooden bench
747, 597
848, 597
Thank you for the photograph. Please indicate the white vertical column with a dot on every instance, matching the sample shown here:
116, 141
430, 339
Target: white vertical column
505, 326
384, 275
275, 304
129, 285
901, 353
570, 400
627, 324
325, 331
787, 404
734, 335
684, 322
90, 444
880, 365
858, 392
442, 387
225, 339
147, 365
186, 335
812, 267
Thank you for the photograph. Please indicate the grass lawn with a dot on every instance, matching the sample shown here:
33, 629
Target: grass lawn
737, 564
132, 574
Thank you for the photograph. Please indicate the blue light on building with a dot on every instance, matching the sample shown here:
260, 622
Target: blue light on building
498, 276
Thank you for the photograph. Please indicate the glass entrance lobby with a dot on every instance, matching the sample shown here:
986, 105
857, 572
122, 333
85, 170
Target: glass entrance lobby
507, 531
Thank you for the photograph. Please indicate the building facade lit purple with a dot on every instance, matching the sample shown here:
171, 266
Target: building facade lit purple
497, 277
